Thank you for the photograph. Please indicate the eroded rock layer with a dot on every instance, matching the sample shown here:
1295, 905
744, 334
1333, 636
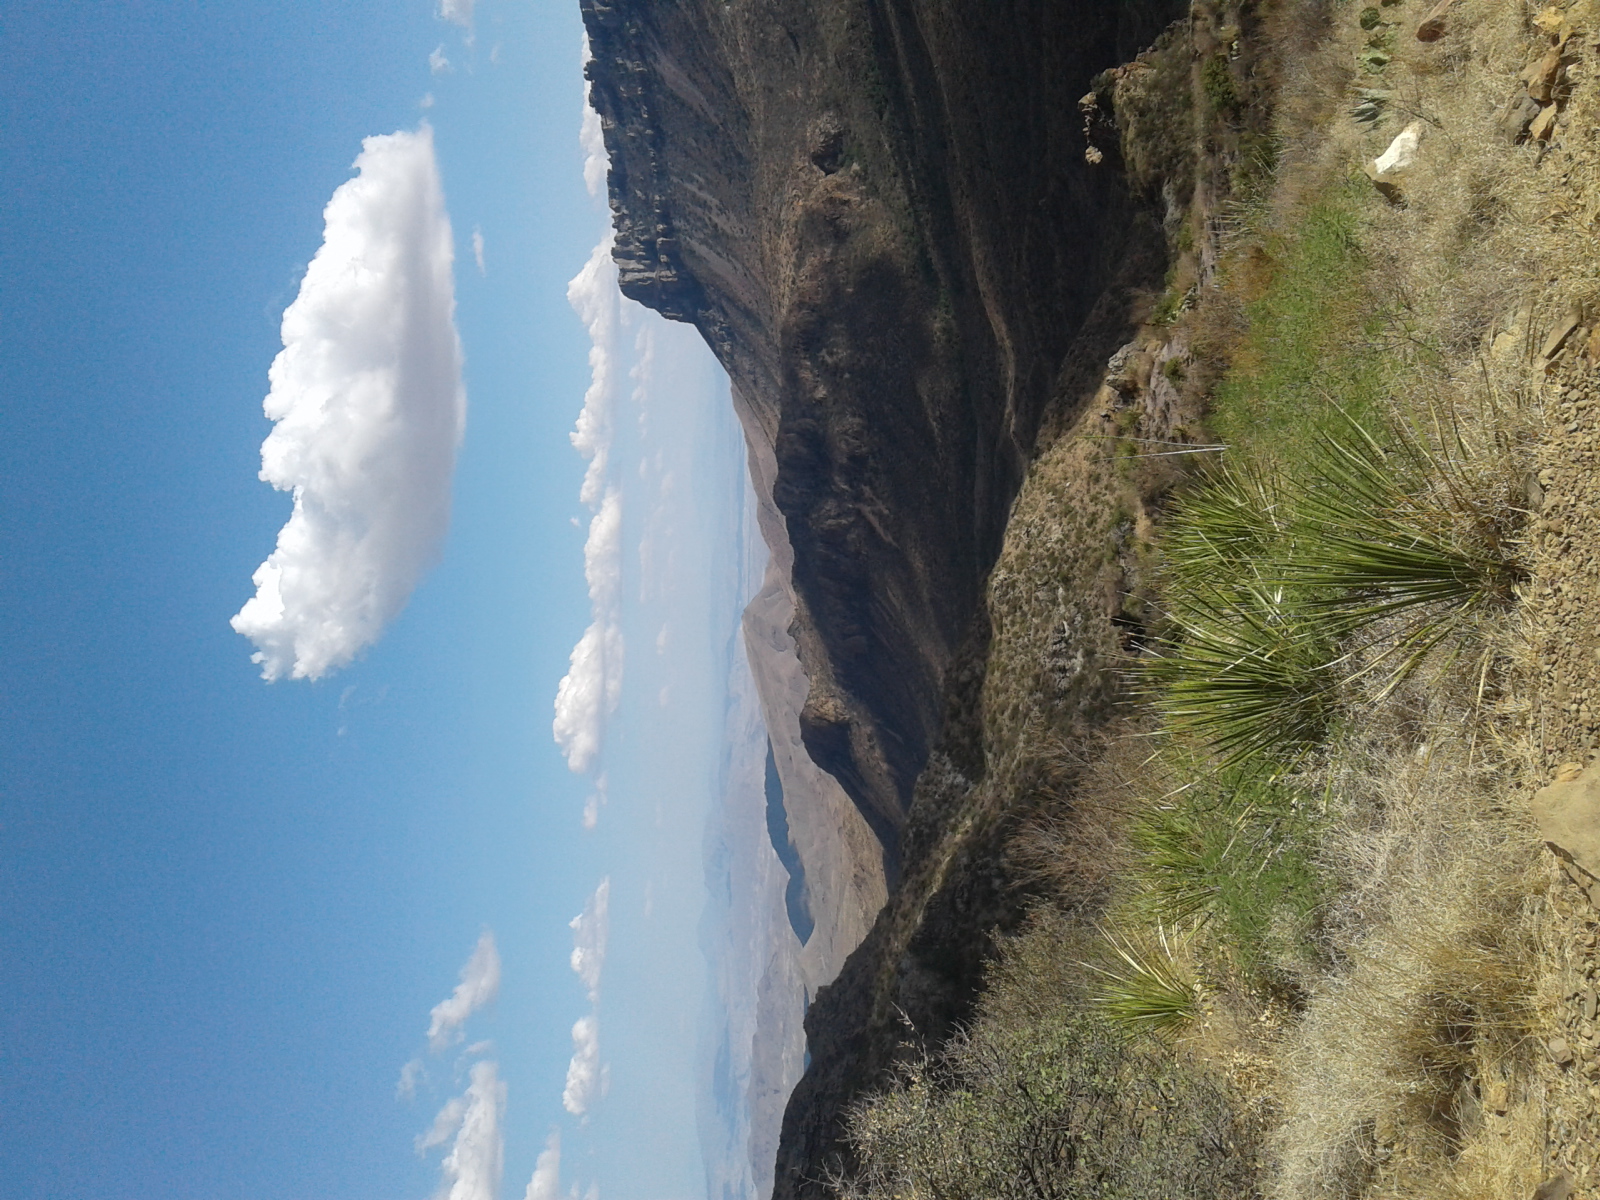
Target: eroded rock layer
879, 215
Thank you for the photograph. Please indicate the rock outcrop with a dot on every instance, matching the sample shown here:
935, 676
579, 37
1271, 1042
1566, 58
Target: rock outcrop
879, 215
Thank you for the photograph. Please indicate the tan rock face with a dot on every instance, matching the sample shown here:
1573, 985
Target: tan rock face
1568, 815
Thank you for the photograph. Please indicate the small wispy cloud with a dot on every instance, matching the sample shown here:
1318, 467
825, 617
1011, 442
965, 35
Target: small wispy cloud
476, 1161
583, 1072
590, 929
546, 1181
411, 1074
369, 409
445, 1124
439, 62
480, 983
477, 248
457, 12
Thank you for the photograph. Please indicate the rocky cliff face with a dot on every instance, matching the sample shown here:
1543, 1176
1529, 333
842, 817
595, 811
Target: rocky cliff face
879, 215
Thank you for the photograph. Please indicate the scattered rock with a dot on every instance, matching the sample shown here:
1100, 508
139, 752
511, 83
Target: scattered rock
1542, 126
1590, 1002
1541, 74
1550, 20
1559, 1188
1592, 350
1568, 815
1389, 169
1562, 329
1369, 105
1433, 25
1561, 1052
1518, 114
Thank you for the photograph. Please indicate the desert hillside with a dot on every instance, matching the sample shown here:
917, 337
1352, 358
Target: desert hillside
1178, 434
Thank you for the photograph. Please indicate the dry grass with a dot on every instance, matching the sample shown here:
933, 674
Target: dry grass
1388, 1071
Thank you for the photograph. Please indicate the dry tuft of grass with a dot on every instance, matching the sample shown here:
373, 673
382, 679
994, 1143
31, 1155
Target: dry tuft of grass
1404, 1051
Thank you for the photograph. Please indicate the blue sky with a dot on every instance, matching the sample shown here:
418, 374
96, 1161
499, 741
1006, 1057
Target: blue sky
230, 907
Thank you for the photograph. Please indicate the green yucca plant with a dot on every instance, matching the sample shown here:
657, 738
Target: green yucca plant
1250, 672
1409, 532
1145, 988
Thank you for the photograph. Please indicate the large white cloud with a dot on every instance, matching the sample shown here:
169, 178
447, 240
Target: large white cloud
583, 1072
590, 929
477, 1159
480, 983
369, 410
590, 690
546, 1181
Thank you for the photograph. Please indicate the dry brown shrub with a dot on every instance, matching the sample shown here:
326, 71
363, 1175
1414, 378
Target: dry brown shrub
1075, 846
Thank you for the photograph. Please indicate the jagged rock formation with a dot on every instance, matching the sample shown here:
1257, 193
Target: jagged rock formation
879, 216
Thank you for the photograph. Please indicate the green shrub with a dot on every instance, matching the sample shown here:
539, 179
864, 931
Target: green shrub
1216, 81
1062, 1109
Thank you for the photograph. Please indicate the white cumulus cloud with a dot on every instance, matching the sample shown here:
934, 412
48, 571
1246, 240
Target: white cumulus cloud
477, 1159
457, 12
480, 983
546, 1181
369, 410
590, 690
591, 137
590, 929
583, 1072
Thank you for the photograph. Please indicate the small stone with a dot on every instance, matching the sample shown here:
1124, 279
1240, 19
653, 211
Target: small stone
1389, 169
1560, 1051
1540, 75
1550, 20
1568, 815
1558, 1188
1542, 127
1563, 328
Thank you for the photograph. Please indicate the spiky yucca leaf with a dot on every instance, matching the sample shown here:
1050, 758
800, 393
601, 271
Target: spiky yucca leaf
1395, 528
1145, 988
1398, 531
1249, 673
1227, 523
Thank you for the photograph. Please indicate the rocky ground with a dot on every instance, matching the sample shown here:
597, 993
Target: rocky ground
1565, 629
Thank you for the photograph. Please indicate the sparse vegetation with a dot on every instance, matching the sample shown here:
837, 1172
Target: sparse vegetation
1300, 877
1044, 1100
